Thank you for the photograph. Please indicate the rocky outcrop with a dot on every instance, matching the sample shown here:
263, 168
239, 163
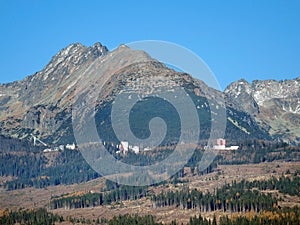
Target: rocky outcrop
37, 103
275, 105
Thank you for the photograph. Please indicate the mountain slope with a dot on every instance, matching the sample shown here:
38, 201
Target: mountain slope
36, 104
41, 104
275, 105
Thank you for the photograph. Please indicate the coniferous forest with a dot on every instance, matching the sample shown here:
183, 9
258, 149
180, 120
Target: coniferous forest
34, 169
285, 216
236, 197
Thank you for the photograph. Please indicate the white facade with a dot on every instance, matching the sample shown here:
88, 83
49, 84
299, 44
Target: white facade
136, 149
124, 146
218, 147
234, 147
71, 147
47, 150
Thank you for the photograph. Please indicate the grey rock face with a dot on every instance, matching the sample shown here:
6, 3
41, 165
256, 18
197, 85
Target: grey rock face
37, 103
273, 104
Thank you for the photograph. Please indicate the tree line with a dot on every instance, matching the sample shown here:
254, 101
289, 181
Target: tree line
235, 197
41, 216
285, 216
30, 217
228, 198
31, 169
285, 185
96, 199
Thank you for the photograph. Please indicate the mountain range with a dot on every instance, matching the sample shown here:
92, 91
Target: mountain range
41, 104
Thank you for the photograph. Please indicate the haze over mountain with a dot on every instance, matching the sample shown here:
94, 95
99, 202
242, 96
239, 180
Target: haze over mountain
41, 103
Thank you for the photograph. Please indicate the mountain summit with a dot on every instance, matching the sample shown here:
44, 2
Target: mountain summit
41, 103
32, 105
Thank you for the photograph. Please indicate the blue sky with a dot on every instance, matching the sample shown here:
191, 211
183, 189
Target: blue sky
237, 39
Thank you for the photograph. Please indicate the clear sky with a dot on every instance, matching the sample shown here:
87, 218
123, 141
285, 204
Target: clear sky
237, 39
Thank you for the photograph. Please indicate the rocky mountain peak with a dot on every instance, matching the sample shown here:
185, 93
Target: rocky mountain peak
98, 49
41, 103
70, 49
264, 90
271, 89
238, 90
239, 87
38, 96
274, 104
74, 55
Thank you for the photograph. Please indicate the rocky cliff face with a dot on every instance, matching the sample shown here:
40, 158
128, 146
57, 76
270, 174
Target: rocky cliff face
37, 103
275, 105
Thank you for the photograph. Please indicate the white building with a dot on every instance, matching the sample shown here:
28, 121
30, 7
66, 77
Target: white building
71, 147
135, 149
234, 147
221, 145
47, 150
124, 146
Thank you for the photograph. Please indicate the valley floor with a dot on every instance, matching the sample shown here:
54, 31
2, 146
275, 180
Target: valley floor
29, 198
